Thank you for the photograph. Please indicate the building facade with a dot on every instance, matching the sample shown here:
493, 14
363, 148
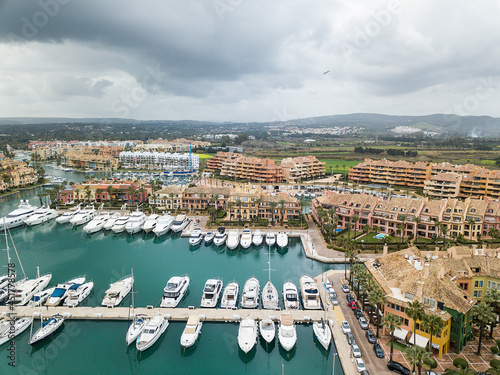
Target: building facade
160, 160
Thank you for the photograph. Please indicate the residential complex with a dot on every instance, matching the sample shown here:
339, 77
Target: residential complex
302, 167
15, 174
106, 191
160, 160
86, 159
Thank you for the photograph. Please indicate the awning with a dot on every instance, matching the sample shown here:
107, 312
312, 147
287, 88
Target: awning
421, 340
400, 333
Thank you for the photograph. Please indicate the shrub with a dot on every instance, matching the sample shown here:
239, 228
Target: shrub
431, 363
460, 362
498, 343
494, 349
495, 363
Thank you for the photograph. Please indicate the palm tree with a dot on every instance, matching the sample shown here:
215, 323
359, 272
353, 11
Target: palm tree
415, 311
434, 324
348, 227
391, 322
302, 203
493, 233
109, 190
377, 298
471, 223
229, 205
400, 229
282, 209
482, 314
88, 193
416, 220
416, 357
359, 274
355, 219
76, 195
375, 230
492, 298
353, 256
98, 191
460, 371
272, 206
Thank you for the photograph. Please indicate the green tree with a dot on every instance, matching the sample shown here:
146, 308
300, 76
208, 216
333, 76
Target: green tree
416, 220
281, 204
482, 315
355, 219
434, 324
415, 311
391, 322
416, 357
492, 298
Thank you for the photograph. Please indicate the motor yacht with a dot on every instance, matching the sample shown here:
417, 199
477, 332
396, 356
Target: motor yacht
246, 238
40, 216
163, 225
136, 328
47, 328
111, 221
267, 330
270, 239
250, 295
191, 331
77, 293
135, 222
68, 215
174, 291
96, 224
290, 296
61, 291
211, 293
209, 237
230, 296
20, 325
282, 240
39, 298
233, 239
119, 225
151, 332
150, 223
310, 294
180, 222
220, 237
247, 334
27, 289
196, 237
287, 333
257, 238
17, 217
322, 333
84, 216
118, 291
270, 298
4, 280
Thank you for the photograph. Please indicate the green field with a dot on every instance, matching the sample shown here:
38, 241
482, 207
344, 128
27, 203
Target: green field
331, 164
205, 156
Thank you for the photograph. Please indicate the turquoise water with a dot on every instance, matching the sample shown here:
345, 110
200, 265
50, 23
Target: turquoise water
99, 347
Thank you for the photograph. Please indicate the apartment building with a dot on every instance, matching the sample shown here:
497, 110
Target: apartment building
22, 176
302, 167
200, 197
168, 198
244, 202
218, 160
85, 160
44, 153
484, 183
279, 208
443, 185
160, 160
103, 191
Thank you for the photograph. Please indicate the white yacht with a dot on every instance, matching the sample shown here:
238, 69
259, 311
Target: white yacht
17, 217
180, 222
270, 239
246, 238
267, 330
119, 225
68, 215
174, 291
135, 222
322, 333
163, 225
233, 239
196, 237
290, 296
282, 239
151, 332
77, 293
270, 298
27, 289
287, 333
84, 216
220, 237
250, 295
40, 216
230, 296
4, 280
39, 298
247, 334
117, 291
310, 294
191, 331
150, 223
211, 293
111, 221
136, 328
47, 328
61, 291
97, 223
257, 238
209, 237
20, 325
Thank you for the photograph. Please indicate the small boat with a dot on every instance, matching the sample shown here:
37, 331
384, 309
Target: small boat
270, 299
282, 240
196, 237
174, 291
310, 294
47, 328
211, 293
267, 330
84, 216
111, 221
180, 222
322, 333
26, 289
250, 295
20, 325
4, 293
220, 237
97, 223
17, 217
246, 238
257, 238
136, 328
4, 281
40, 216
209, 237
163, 225
39, 298
150, 223
151, 332
77, 293
119, 225
191, 331
230, 296
247, 334
287, 333
135, 222
270, 239
61, 291
68, 215
118, 291
290, 296
233, 239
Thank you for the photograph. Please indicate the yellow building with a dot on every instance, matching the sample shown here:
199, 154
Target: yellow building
244, 202
168, 198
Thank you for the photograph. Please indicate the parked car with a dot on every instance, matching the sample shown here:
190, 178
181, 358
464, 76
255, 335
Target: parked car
350, 338
398, 367
349, 298
328, 284
358, 313
379, 352
346, 328
345, 288
363, 323
364, 372
334, 300
371, 337
360, 365
355, 351
353, 305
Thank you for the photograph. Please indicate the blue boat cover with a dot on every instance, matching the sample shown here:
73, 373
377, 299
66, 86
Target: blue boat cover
59, 292
74, 287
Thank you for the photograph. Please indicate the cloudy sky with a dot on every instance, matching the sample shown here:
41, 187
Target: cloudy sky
248, 60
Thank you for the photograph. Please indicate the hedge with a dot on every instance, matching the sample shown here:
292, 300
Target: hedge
460, 362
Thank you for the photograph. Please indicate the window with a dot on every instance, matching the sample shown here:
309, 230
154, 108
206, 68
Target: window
393, 306
477, 293
464, 286
402, 309
406, 322
410, 296
397, 307
478, 284
430, 301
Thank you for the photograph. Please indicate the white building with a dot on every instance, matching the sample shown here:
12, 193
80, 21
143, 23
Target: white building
160, 160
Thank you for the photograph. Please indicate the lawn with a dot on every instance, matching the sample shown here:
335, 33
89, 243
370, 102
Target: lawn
370, 238
205, 156
339, 163
397, 345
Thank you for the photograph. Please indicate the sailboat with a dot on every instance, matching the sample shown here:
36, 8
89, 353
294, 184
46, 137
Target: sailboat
20, 325
138, 323
321, 329
47, 328
270, 299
